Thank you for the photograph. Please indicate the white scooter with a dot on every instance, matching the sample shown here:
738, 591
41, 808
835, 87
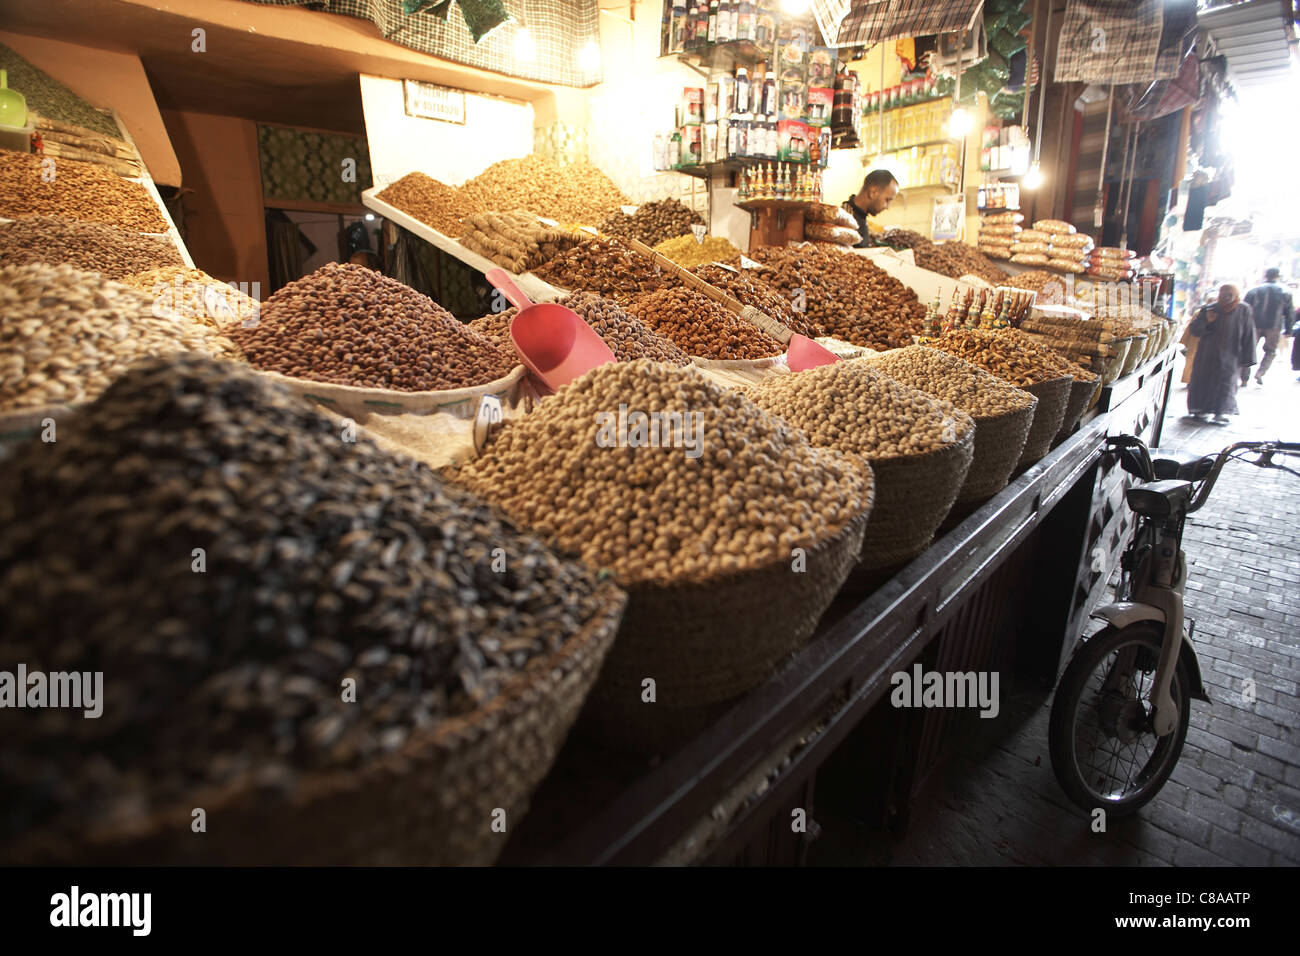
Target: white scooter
1122, 707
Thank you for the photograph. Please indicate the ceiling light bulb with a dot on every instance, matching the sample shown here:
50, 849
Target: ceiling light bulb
1033, 179
589, 57
960, 123
525, 46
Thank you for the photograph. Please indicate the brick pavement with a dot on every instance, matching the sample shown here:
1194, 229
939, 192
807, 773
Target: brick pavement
1234, 798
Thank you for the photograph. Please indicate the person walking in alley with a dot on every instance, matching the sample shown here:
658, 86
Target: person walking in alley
1227, 343
1272, 310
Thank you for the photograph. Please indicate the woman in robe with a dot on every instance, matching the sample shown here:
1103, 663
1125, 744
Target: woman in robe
1226, 334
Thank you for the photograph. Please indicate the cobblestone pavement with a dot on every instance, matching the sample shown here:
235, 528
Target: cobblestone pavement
1234, 798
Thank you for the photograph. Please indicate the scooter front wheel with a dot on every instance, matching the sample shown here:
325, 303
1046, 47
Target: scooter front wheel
1104, 749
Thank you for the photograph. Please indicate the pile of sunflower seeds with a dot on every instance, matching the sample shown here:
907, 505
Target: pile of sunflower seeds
228, 559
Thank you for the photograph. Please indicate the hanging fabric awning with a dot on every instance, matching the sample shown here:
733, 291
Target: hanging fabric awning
867, 22
560, 29
1111, 42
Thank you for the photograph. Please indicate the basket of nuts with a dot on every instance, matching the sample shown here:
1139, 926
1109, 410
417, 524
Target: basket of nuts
371, 669
1002, 413
67, 334
844, 295
918, 447
703, 328
627, 336
348, 325
1015, 357
1082, 393
729, 531
113, 252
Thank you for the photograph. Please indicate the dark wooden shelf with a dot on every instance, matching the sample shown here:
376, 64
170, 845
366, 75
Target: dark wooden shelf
789, 205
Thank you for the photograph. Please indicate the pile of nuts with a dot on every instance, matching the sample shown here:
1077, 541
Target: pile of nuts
516, 241
653, 222
1009, 354
350, 325
66, 335
688, 253
576, 193
192, 293
608, 267
852, 407
90, 246
323, 560
906, 239
745, 287
435, 204
976, 392
956, 259
626, 335
86, 192
701, 327
844, 295
725, 488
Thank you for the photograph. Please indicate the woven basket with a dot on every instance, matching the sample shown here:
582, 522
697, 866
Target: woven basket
431, 803
708, 643
913, 496
1081, 394
1136, 354
1052, 398
999, 441
1111, 366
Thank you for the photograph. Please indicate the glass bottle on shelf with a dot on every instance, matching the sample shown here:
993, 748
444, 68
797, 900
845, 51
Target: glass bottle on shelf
713, 21
677, 38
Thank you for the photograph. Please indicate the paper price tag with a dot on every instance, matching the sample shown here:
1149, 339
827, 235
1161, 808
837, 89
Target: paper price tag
746, 263
629, 210
591, 229
547, 222
700, 233
488, 415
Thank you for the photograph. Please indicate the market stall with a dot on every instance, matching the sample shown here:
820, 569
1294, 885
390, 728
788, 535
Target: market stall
612, 578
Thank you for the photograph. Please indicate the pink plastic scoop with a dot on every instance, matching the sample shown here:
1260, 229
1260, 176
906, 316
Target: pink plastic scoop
802, 353
553, 342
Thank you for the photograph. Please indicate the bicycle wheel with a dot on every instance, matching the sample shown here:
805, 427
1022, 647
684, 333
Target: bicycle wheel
1104, 750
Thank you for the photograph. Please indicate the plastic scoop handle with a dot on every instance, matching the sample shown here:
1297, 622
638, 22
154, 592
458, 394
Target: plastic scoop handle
506, 285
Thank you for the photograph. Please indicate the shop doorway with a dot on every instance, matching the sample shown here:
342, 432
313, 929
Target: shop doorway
298, 242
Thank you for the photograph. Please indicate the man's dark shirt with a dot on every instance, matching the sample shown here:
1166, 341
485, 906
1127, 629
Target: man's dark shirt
1271, 305
861, 218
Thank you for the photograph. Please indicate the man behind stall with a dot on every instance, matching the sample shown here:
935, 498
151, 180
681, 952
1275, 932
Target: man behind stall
877, 192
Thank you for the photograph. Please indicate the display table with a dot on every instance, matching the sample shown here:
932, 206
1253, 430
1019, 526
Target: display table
1007, 588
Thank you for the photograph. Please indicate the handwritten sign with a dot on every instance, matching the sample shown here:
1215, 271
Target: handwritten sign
428, 101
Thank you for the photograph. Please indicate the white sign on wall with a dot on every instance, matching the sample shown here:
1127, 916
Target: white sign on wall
429, 101
949, 218
494, 129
